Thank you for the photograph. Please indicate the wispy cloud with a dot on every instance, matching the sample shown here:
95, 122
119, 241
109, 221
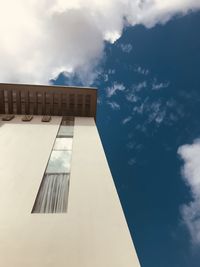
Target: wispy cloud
114, 88
113, 105
139, 109
126, 120
126, 48
157, 86
69, 36
132, 95
157, 112
141, 70
135, 146
111, 71
131, 145
131, 161
191, 174
139, 86
106, 75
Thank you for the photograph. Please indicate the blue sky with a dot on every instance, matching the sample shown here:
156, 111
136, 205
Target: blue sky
149, 107
160, 103
144, 56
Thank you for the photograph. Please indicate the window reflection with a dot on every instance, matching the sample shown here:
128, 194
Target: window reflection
59, 162
63, 144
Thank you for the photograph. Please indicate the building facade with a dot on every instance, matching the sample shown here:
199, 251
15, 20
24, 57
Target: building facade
58, 202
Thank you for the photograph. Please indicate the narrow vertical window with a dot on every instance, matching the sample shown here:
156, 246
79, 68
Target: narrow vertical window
52, 196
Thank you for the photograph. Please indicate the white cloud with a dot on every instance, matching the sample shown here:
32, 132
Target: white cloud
39, 39
191, 175
126, 120
114, 88
113, 105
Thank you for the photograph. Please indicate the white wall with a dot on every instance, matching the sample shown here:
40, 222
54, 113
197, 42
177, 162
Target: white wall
93, 233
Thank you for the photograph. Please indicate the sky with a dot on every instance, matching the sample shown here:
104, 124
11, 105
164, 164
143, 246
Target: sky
144, 58
148, 119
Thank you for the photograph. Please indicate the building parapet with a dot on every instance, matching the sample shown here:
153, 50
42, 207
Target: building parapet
47, 100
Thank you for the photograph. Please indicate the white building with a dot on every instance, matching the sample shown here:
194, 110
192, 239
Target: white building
58, 203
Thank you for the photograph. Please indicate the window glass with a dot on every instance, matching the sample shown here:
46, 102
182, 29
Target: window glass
65, 131
53, 192
52, 196
63, 144
59, 162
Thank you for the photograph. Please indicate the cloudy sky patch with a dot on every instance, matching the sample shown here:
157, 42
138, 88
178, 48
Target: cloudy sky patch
42, 39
